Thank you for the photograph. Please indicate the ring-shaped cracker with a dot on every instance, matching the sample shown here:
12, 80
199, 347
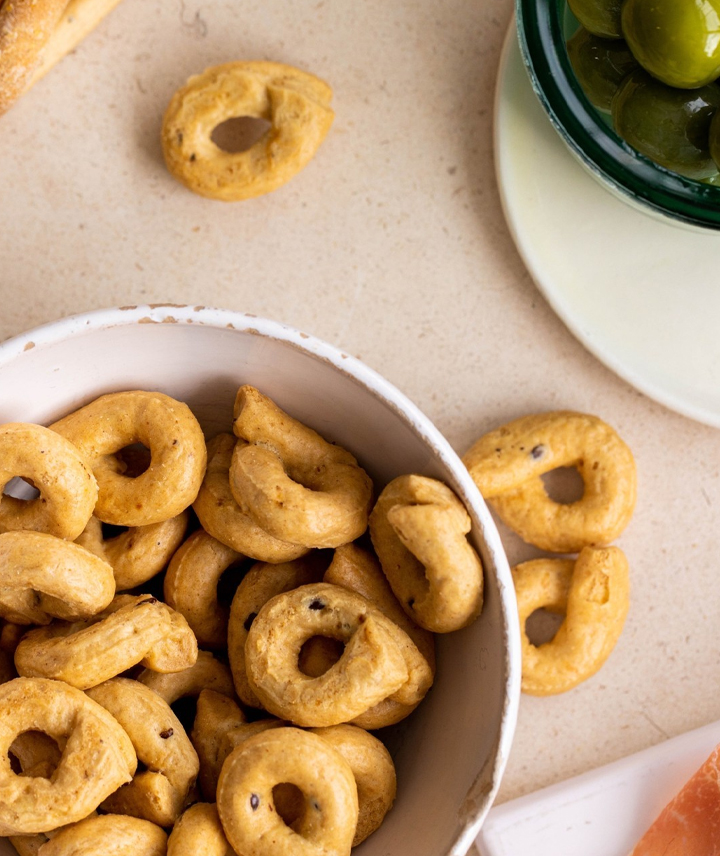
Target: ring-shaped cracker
507, 465
373, 666
158, 793
261, 583
59, 471
191, 582
287, 755
139, 553
166, 427
108, 835
223, 518
43, 577
98, 757
131, 630
373, 770
199, 832
593, 594
293, 482
419, 531
206, 673
296, 104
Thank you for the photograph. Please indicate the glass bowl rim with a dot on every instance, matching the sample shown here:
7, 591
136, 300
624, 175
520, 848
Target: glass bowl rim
602, 151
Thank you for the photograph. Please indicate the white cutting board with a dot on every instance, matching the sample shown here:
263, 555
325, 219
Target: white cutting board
603, 812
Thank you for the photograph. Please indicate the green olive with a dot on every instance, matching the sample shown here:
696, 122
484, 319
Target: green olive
599, 17
669, 126
600, 66
677, 41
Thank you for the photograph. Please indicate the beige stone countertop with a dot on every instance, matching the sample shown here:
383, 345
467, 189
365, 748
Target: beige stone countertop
391, 245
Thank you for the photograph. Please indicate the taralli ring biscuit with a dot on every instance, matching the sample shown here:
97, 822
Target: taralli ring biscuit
199, 833
507, 465
62, 475
261, 583
157, 793
373, 770
108, 835
287, 755
43, 577
419, 530
191, 583
85, 654
296, 104
379, 660
222, 517
205, 673
593, 594
137, 554
291, 481
166, 427
98, 756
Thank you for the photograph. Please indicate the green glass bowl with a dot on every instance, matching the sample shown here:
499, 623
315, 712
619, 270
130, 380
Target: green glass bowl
543, 26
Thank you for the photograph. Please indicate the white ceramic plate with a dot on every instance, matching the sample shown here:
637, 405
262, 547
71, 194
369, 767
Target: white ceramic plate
601, 813
640, 294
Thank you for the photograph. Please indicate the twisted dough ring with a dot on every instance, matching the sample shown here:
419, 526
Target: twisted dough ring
205, 673
137, 554
191, 583
68, 490
166, 427
98, 756
373, 771
358, 570
220, 726
291, 481
593, 594
108, 835
419, 530
199, 833
245, 796
223, 518
43, 577
294, 102
132, 630
158, 793
507, 465
379, 660
261, 583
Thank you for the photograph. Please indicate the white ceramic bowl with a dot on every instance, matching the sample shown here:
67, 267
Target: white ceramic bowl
450, 754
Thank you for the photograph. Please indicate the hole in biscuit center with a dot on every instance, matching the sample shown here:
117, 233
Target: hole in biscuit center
318, 654
239, 133
21, 488
133, 460
34, 754
564, 485
542, 625
289, 802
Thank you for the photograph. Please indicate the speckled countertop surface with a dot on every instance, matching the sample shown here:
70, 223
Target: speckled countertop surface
391, 245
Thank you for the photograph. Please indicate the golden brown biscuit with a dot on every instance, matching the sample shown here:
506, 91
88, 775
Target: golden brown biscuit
222, 517
287, 755
593, 594
98, 756
137, 554
507, 465
419, 530
59, 471
296, 104
166, 427
291, 481
199, 833
108, 835
206, 673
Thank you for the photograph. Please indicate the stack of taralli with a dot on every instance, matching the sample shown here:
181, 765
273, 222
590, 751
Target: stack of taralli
325, 639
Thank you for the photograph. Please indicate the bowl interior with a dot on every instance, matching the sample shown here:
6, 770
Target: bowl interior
451, 752
543, 26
